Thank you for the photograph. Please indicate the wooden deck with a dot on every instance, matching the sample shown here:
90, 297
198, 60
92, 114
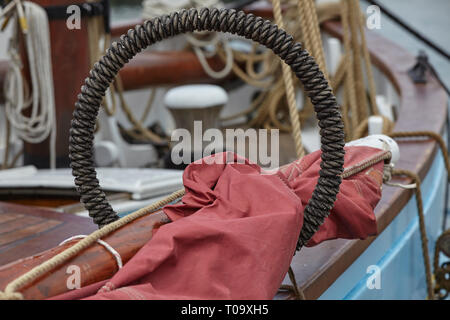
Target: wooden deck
26, 230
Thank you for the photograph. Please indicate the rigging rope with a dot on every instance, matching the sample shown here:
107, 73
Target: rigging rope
201, 46
350, 88
423, 233
354, 20
310, 28
153, 8
99, 41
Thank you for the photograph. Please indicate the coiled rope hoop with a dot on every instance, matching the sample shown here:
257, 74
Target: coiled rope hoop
219, 20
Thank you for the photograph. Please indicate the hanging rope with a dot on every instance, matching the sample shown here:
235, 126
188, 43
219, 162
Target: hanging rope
367, 61
7, 143
99, 41
200, 42
290, 92
41, 123
310, 28
432, 290
273, 111
201, 47
138, 125
423, 233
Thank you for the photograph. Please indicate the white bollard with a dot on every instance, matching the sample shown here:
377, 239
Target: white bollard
196, 103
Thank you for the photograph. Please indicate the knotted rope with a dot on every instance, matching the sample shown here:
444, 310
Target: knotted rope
423, 233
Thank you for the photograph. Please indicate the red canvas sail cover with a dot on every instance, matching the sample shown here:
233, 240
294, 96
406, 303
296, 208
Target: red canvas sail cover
234, 234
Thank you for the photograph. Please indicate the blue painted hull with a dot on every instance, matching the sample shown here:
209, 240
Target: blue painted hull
396, 253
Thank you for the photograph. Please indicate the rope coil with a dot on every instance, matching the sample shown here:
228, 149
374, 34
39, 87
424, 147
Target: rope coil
40, 124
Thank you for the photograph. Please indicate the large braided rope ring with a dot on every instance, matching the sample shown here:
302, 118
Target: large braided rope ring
220, 20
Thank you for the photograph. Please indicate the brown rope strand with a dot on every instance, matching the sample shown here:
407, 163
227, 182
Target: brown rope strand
422, 228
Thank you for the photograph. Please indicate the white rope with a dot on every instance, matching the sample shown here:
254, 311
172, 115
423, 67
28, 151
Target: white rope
102, 243
154, 8
41, 123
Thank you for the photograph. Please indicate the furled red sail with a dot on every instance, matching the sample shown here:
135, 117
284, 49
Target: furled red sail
234, 234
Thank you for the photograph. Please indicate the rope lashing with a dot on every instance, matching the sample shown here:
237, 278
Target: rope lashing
385, 156
104, 244
224, 20
311, 32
